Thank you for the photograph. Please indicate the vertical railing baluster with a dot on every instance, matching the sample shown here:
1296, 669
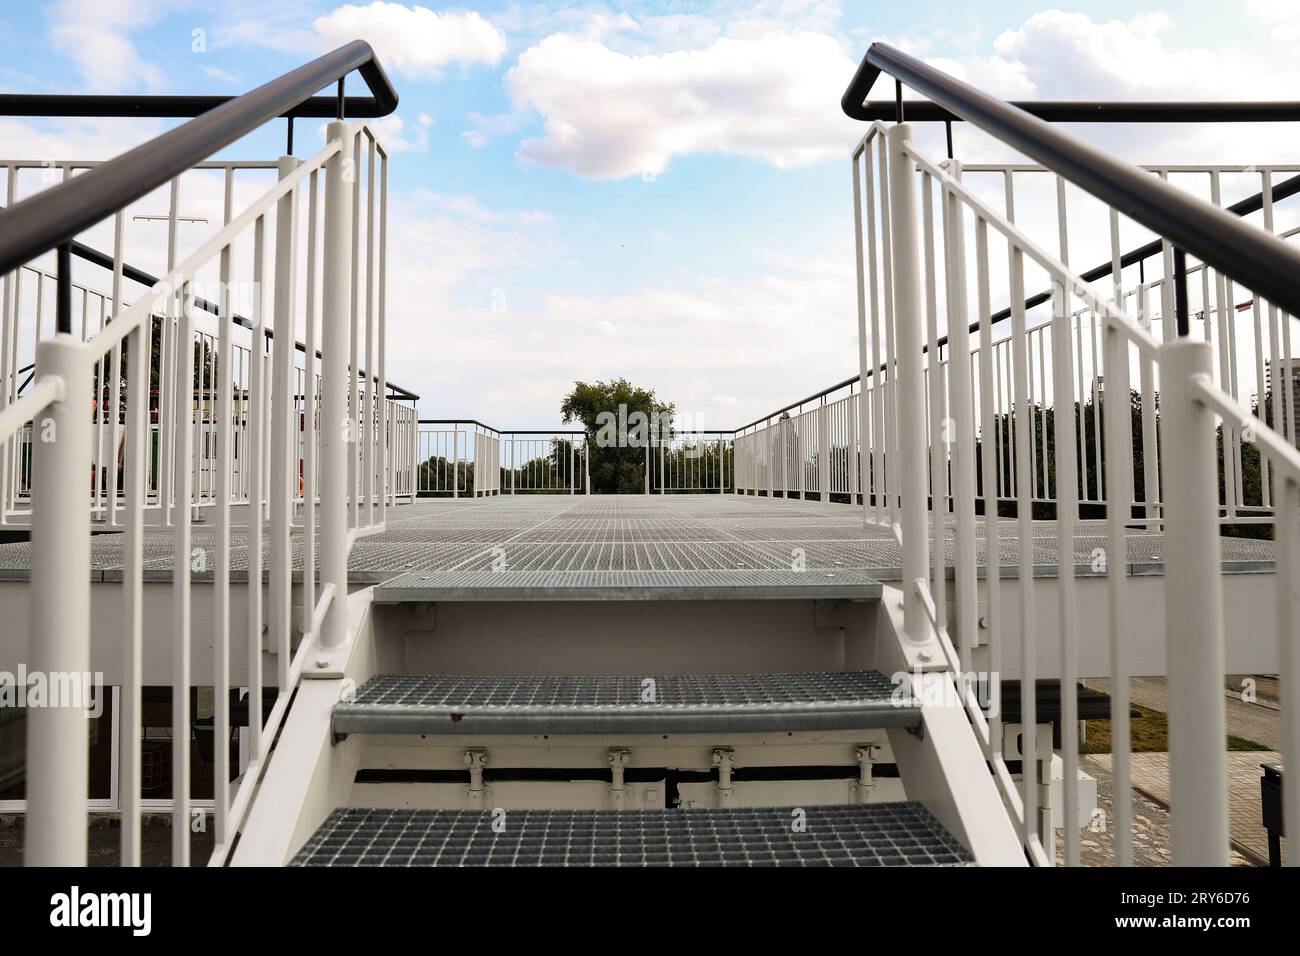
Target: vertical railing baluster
1067, 513
938, 483
1021, 423
368, 406
1118, 469
280, 446
386, 449
138, 439
256, 491
182, 477
861, 435
310, 419
1118, 472
225, 385
354, 340
963, 443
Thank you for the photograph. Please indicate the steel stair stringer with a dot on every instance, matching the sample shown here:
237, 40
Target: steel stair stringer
942, 764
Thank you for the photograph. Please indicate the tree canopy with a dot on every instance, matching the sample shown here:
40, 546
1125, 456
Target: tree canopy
618, 418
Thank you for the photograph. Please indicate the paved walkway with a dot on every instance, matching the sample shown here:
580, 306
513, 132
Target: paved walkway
1151, 833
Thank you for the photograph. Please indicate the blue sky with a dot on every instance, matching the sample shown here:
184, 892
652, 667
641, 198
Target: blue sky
652, 189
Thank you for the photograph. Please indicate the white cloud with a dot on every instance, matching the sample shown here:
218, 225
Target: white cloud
726, 350
610, 114
398, 138
1064, 55
1280, 17
469, 207
96, 36
486, 127
415, 41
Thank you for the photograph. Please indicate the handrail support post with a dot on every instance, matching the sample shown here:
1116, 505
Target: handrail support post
908, 322
337, 429
1193, 611
59, 648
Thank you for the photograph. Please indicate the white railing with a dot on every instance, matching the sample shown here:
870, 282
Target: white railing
444, 463
322, 451
965, 448
690, 463
543, 462
459, 457
487, 464
801, 454
28, 317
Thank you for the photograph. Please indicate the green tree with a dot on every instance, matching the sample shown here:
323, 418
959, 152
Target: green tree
618, 418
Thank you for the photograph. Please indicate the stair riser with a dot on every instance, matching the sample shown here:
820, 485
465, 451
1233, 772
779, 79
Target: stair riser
628, 637
811, 769
595, 795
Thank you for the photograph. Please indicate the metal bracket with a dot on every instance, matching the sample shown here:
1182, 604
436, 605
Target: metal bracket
330, 663
723, 759
476, 760
618, 760
866, 755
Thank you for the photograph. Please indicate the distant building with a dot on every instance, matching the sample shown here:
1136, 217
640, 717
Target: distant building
1276, 380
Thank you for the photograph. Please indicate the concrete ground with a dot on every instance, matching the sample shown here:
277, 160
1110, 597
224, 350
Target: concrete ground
1150, 802
1251, 713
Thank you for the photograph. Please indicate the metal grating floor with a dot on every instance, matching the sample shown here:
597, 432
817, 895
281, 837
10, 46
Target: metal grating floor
609, 585
848, 700
634, 533
879, 834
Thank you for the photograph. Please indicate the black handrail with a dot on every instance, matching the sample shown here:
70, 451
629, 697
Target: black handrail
803, 401
54, 216
1245, 254
184, 107
1086, 111
1245, 207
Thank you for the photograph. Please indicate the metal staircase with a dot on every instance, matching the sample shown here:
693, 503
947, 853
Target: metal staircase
658, 679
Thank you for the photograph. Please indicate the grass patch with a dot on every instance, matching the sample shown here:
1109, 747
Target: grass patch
1149, 733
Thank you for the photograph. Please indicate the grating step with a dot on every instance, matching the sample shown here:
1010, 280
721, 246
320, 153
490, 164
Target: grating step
732, 584
878, 834
738, 703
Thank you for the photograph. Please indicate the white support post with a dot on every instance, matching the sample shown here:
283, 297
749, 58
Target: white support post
336, 430
862, 435
824, 452
962, 402
283, 417
57, 737
183, 380
909, 317
1193, 612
